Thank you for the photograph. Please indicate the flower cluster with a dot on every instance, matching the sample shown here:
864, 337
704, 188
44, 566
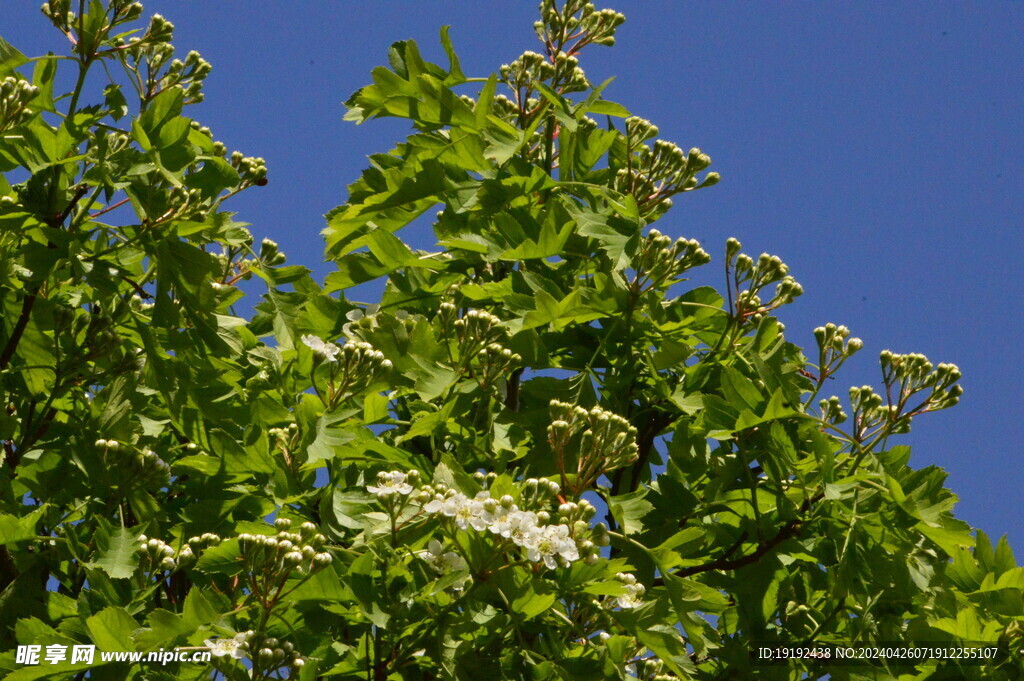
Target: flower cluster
604, 441
390, 483
269, 652
552, 538
551, 544
633, 597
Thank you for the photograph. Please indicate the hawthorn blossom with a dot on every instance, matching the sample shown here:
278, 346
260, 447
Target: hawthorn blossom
499, 520
633, 598
466, 512
520, 524
548, 543
389, 483
231, 647
321, 348
442, 561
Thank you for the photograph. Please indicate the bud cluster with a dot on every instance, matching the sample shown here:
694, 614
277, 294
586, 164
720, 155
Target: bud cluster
271, 559
605, 441
834, 347
655, 172
15, 95
868, 411
749, 278
353, 366
479, 337
137, 466
639, 130
569, 76
252, 169
493, 362
576, 20
912, 373
269, 654
157, 556
60, 15
528, 69
270, 254
662, 261
832, 410
185, 203
284, 439
188, 75
153, 63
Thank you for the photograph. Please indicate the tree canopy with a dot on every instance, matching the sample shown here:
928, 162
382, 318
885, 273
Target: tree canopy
539, 455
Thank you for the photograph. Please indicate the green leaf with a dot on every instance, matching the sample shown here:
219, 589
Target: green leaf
14, 529
10, 58
112, 629
629, 510
225, 558
116, 555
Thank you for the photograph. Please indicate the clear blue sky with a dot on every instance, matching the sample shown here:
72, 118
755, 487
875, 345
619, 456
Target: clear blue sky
876, 147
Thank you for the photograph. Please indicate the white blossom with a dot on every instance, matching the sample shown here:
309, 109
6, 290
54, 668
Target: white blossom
499, 520
232, 647
633, 598
442, 561
520, 524
548, 543
328, 351
389, 483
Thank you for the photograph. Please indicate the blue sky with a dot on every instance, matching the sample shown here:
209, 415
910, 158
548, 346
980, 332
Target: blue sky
875, 147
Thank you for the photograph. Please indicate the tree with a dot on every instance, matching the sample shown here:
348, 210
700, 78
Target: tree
538, 456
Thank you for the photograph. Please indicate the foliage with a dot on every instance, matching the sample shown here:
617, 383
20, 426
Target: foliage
534, 458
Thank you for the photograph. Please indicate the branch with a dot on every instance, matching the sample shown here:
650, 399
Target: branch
787, 531
30, 298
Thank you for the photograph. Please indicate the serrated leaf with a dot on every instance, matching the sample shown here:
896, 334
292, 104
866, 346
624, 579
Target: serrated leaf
117, 556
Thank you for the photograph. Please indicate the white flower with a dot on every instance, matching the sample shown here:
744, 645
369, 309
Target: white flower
443, 562
328, 351
388, 483
499, 521
465, 512
520, 524
232, 647
548, 543
633, 598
